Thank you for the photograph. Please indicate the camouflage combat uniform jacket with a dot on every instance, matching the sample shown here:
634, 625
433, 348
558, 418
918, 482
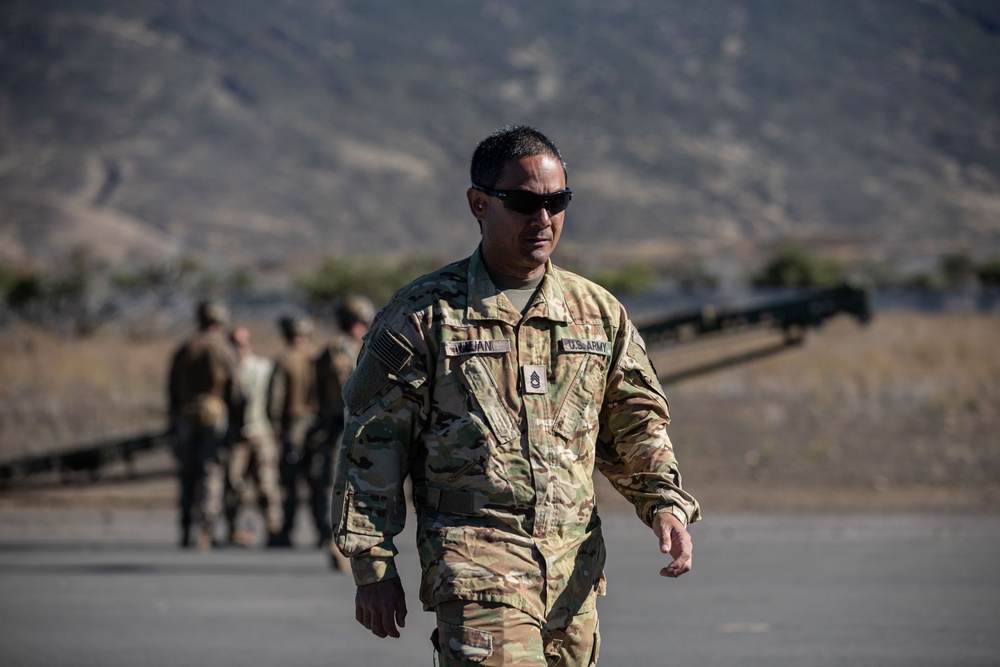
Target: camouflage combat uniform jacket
201, 387
333, 366
292, 392
499, 420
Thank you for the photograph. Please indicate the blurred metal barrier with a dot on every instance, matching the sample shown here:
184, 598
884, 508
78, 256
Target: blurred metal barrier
88, 459
792, 316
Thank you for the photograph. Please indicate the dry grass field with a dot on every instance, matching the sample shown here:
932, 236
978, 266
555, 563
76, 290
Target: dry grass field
897, 415
60, 393
900, 414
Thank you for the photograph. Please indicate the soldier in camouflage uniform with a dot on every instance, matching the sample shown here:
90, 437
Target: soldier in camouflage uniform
292, 407
338, 360
497, 384
201, 393
333, 367
254, 451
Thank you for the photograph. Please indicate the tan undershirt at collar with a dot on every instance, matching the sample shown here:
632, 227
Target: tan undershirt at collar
518, 290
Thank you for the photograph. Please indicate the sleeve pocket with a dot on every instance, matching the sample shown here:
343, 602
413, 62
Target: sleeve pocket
372, 515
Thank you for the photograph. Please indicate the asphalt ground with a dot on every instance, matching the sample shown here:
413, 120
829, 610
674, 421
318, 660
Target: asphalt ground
110, 588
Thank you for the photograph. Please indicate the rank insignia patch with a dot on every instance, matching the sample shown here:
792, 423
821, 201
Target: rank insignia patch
536, 379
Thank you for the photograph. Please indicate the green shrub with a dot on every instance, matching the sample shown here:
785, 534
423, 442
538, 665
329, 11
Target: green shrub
989, 273
378, 279
24, 290
632, 279
796, 267
957, 270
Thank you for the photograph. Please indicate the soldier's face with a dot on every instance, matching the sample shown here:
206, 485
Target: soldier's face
518, 244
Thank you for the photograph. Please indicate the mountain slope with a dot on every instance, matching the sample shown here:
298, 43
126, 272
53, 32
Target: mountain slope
273, 133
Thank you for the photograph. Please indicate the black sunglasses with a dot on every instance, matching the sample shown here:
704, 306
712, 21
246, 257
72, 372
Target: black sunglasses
522, 201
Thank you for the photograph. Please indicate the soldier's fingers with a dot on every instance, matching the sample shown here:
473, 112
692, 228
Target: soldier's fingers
385, 624
677, 568
682, 562
367, 617
374, 623
401, 614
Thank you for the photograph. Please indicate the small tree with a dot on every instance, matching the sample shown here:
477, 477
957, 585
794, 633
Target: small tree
378, 279
989, 273
632, 279
795, 267
957, 270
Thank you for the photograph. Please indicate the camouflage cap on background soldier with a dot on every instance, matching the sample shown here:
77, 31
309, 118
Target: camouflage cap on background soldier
292, 326
355, 309
211, 312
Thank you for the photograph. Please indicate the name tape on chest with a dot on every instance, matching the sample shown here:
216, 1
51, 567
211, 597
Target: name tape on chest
586, 345
457, 348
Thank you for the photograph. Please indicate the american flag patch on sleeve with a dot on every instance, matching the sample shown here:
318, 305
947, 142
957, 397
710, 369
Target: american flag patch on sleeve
392, 350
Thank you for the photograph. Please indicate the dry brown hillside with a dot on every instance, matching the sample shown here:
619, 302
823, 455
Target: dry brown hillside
266, 134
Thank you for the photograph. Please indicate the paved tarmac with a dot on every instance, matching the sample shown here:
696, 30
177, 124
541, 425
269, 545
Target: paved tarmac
85, 587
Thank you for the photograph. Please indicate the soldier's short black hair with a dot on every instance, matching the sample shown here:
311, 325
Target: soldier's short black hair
510, 142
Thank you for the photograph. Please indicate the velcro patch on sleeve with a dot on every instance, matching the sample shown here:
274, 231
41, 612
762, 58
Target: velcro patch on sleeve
392, 350
636, 338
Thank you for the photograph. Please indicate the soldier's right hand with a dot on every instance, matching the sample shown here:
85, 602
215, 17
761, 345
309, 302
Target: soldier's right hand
381, 606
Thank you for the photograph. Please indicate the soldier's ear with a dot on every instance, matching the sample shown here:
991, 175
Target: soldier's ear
477, 203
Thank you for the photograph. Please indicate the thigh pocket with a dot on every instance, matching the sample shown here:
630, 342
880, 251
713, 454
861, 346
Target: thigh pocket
458, 642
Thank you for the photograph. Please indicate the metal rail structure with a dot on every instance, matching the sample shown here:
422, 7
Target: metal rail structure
85, 463
793, 316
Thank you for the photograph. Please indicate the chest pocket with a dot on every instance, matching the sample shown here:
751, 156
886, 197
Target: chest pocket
480, 382
581, 405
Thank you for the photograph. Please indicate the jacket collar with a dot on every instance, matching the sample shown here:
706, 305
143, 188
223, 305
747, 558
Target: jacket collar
485, 302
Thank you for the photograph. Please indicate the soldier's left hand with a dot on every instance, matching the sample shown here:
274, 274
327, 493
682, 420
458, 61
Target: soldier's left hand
381, 606
674, 540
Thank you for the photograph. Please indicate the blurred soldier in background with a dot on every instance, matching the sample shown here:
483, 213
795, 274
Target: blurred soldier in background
333, 366
338, 360
254, 455
201, 392
292, 408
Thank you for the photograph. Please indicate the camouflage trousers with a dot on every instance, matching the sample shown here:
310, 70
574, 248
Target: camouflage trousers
307, 455
491, 634
201, 452
255, 460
